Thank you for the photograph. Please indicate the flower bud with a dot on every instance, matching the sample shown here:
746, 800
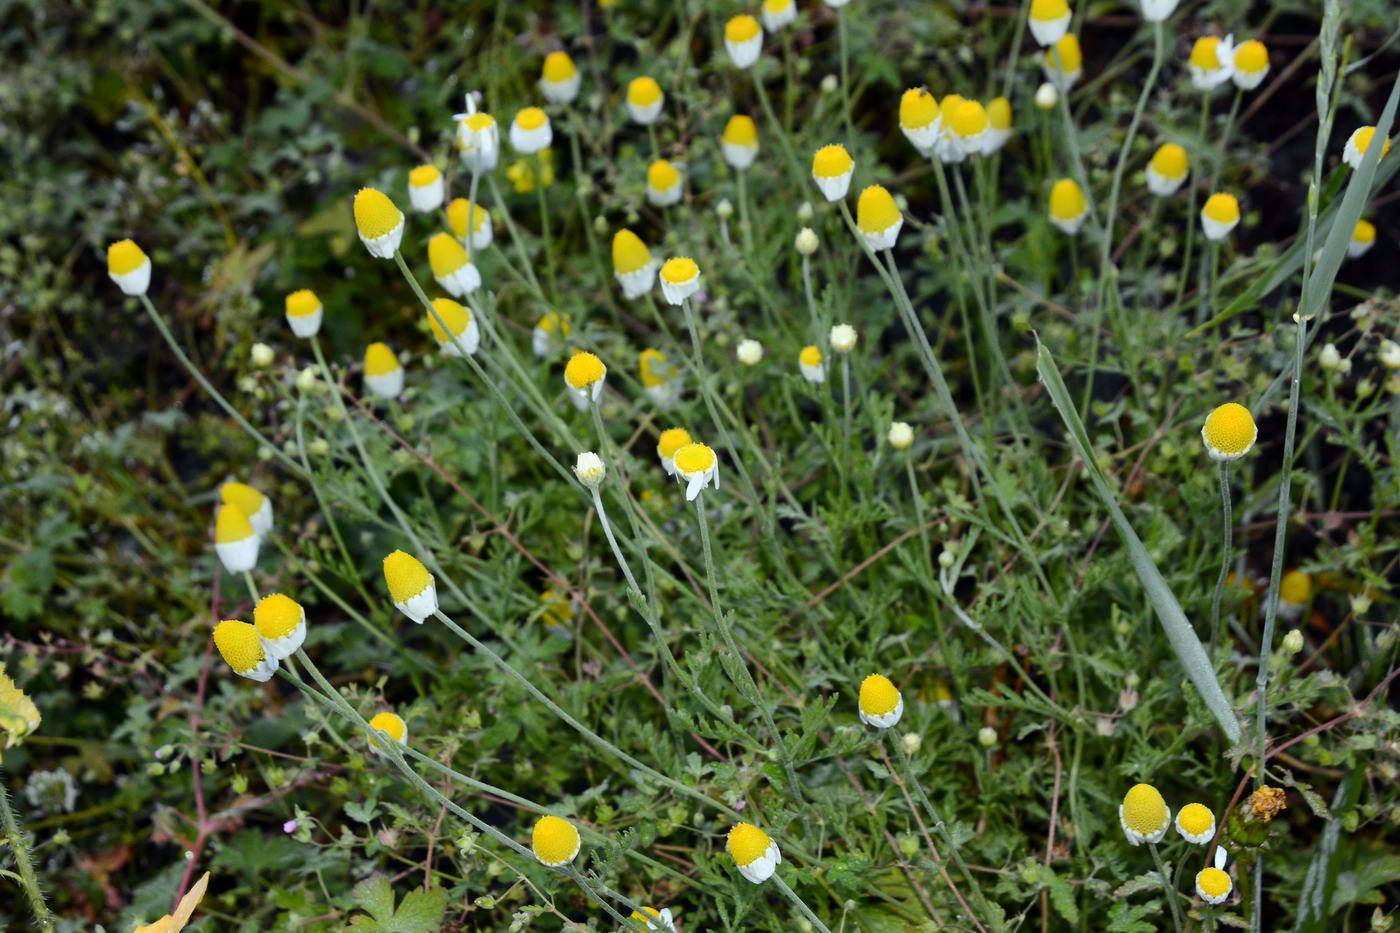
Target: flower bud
1293, 642
1329, 359
912, 742
590, 469
262, 355
806, 241
750, 352
1046, 97
724, 209
829, 84
987, 737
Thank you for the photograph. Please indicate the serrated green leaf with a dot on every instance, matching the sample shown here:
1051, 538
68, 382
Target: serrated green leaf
420, 912
375, 897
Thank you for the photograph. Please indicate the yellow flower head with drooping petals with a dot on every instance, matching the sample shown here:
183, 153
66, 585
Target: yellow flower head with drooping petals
680, 269
917, 108
1229, 431
1205, 53
380, 360
405, 576
555, 841
832, 161
238, 645
999, 113
876, 211
553, 323
948, 105
653, 367
663, 175
1070, 55
446, 255
629, 253
424, 175
302, 302
231, 524
1049, 9
1223, 208
1251, 57
747, 843
672, 440
276, 615
174, 923
1195, 823
558, 609
740, 131
1067, 200
124, 257
558, 67
1365, 232
643, 91
810, 356
584, 369
531, 118
1295, 588
455, 315
18, 714
1144, 810
391, 724
248, 499
969, 118
375, 213
741, 28
694, 458
878, 695
1170, 161
646, 915
457, 212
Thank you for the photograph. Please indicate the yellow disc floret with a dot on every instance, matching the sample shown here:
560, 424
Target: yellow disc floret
457, 212
876, 211
554, 840
1365, 232
969, 119
741, 28
679, 270
1067, 200
1221, 207
391, 724
917, 108
531, 118
694, 458
629, 253
1170, 161
810, 356
1205, 54
477, 122
375, 214
238, 645
276, 616
1144, 810
1214, 882
643, 91
1251, 57
647, 914
672, 440
584, 369
999, 113
878, 695
380, 360
124, 257
662, 175
446, 254
558, 67
405, 576
553, 323
741, 131
1230, 429
1195, 818
1049, 9
653, 366
832, 162
231, 524
424, 175
248, 499
1070, 56
1362, 140
747, 843
456, 316
1295, 588
302, 302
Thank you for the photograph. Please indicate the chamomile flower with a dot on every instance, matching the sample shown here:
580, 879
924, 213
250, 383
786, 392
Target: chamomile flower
809, 361
383, 372
478, 141
881, 704
739, 144
530, 131
1212, 62
235, 541
559, 78
1049, 20
649, 917
754, 852
843, 338
778, 13
645, 100
670, 441
426, 188
1357, 144
1156, 11
480, 220
1220, 215
832, 168
304, 313
698, 466
969, 125
558, 614
393, 727
663, 183
590, 469
1295, 591
1363, 237
452, 267
749, 352
1389, 354
1250, 65
555, 841
243, 651
544, 337
1064, 61
1213, 884
1144, 815
379, 223
920, 119
660, 378
1167, 170
680, 278
1229, 432
878, 218
743, 40
251, 503
411, 587
998, 125
947, 146
281, 624
130, 267
1068, 206
174, 923
585, 374
901, 435
1196, 823
806, 241
1046, 97
462, 335
633, 266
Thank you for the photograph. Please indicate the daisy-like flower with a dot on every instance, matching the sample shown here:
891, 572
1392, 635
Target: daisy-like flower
680, 278
878, 218
660, 378
832, 168
555, 841
478, 141
558, 613
1389, 354
130, 267
243, 651
235, 541
462, 336
645, 100
304, 312
1068, 206
778, 13
251, 503
649, 917
530, 131
843, 338
585, 374
1196, 823
633, 266
1220, 215
749, 352
1212, 62
698, 466
1357, 144
1295, 591
281, 624
743, 40
589, 469
969, 125
809, 361
546, 333
739, 144
1049, 20
1156, 11
901, 435
393, 727
919, 119
754, 852
1144, 815
174, 923
1064, 61
1213, 884
1167, 170
881, 704
998, 124
946, 148
481, 232
1250, 65
379, 223
383, 372
663, 183
452, 267
411, 587
426, 188
1229, 432
1046, 97
670, 441
559, 78
1363, 237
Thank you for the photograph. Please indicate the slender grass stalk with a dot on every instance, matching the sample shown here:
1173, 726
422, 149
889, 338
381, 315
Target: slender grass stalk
546, 243
845, 77
789, 154
1227, 531
800, 904
1191, 212
1168, 888
19, 850
252, 587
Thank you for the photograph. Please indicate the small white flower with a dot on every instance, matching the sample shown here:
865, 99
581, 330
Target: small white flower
843, 338
1046, 97
590, 469
262, 355
750, 352
901, 435
806, 241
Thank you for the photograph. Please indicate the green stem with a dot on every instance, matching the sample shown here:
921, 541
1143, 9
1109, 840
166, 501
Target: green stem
845, 78
19, 848
1227, 531
1168, 888
800, 904
252, 587
545, 244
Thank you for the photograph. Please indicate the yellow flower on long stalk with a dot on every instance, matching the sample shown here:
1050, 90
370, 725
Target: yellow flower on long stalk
755, 853
660, 378
235, 541
426, 188
1068, 206
999, 124
1220, 215
452, 267
530, 131
559, 78
778, 13
1167, 170
1212, 62
743, 40
920, 119
130, 267
243, 651
680, 278
547, 331
1229, 432
480, 220
1144, 815
462, 335
739, 144
1049, 20
379, 223
585, 375
304, 312
253, 504
645, 100
281, 624
1064, 61
1363, 237
555, 841
633, 266
391, 724
478, 140
1250, 65
664, 186
1357, 144
411, 587
832, 168
698, 466
383, 372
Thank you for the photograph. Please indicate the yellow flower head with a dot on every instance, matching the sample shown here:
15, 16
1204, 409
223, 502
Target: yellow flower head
302, 303
672, 440
740, 131
391, 724
1070, 57
663, 175
876, 211
124, 257
405, 576
948, 105
456, 316
1229, 432
999, 113
583, 370
643, 92
380, 360
629, 253
1251, 57
831, 162
810, 356
375, 214
878, 695
558, 68
446, 255
1068, 206
423, 175
174, 923
553, 323
1213, 884
655, 372
531, 118
1295, 588
694, 459
248, 499
18, 714
276, 615
649, 918
680, 270
1170, 161
741, 28
1365, 232
477, 122
1049, 9
558, 609
457, 212
1223, 208
1144, 814
555, 841
1358, 143
239, 645
917, 109
231, 524
969, 119
747, 843
1195, 823
1205, 53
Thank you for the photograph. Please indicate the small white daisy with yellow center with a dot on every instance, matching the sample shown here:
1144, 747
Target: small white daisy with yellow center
633, 266
843, 338
130, 267
235, 541
1195, 823
478, 138
749, 352
644, 100
881, 703
1229, 432
1250, 65
378, 222
920, 119
1049, 20
1167, 170
1213, 884
426, 188
1144, 815
739, 144
946, 148
281, 624
878, 218
251, 503
411, 587
755, 853
1357, 144
585, 375
778, 13
482, 232
559, 78
661, 380
243, 651
680, 278
392, 726
664, 186
462, 336
1064, 61
530, 131
304, 312
555, 841
670, 441
698, 466
1068, 206
832, 168
1212, 62
1219, 216
806, 241
809, 361
649, 917
998, 125
1363, 237
383, 372
590, 469
1295, 591
743, 40
452, 267
545, 336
